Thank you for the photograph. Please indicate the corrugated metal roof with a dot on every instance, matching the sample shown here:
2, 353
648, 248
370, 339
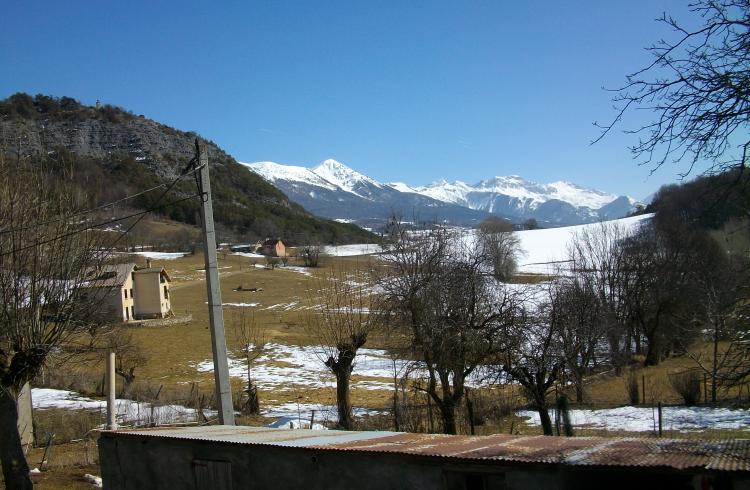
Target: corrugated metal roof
727, 455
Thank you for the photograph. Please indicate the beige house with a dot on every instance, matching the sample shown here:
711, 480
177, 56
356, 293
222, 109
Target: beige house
113, 287
130, 292
152, 293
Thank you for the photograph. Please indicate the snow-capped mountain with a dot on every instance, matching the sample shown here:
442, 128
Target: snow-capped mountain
336, 191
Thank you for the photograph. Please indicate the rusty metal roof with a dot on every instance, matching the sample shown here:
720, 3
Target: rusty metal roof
726, 455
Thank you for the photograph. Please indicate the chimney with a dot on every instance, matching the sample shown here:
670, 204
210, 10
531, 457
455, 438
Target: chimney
148, 263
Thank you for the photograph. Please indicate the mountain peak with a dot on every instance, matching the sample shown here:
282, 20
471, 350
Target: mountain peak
342, 176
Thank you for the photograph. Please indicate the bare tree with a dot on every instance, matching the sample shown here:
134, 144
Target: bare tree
500, 246
719, 315
253, 341
44, 262
129, 355
342, 324
452, 310
310, 255
580, 315
696, 86
534, 358
595, 259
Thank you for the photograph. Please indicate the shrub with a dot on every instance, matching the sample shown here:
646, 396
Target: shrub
688, 385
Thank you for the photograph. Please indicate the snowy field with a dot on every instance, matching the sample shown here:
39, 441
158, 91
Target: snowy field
352, 250
644, 419
544, 250
161, 255
129, 412
283, 367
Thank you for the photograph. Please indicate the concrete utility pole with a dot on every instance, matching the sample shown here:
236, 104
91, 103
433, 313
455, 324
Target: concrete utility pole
215, 313
111, 406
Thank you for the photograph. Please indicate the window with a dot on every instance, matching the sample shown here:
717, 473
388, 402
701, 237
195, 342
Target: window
131, 293
166, 292
126, 293
132, 311
127, 314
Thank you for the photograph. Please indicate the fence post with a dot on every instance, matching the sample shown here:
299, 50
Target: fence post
111, 407
312, 419
659, 414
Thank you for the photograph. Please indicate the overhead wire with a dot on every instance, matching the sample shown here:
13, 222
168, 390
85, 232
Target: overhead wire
140, 215
79, 213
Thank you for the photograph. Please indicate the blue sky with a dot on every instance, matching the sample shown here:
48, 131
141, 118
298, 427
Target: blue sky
400, 90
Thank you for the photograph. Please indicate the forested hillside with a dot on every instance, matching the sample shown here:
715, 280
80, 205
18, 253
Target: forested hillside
113, 153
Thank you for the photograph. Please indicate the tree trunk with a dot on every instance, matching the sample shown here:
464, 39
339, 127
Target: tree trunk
15, 468
343, 404
652, 355
448, 414
545, 419
715, 365
579, 390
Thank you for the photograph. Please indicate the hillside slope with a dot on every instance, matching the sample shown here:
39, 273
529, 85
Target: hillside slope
114, 153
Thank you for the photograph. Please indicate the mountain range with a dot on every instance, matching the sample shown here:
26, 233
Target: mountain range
337, 191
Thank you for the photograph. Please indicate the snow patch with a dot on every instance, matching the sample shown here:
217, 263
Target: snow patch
161, 255
643, 419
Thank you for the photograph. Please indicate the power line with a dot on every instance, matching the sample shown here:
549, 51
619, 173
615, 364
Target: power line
96, 225
102, 206
140, 214
79, 213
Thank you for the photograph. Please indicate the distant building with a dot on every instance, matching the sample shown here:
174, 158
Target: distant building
273, 247
130, 292
113, 287
152, 293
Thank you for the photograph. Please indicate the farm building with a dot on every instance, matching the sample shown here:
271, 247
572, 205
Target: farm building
151, 292
130, 292
273, 247
224, 457
113, 285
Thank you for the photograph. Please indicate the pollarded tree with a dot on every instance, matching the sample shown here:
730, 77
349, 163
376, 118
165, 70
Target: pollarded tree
697, 88
45, 264
342, 318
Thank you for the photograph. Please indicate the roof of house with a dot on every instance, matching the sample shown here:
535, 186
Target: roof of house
726, 455
111, 275
153, 270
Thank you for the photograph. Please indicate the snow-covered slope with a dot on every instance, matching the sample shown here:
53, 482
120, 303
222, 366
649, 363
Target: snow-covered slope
334, 190
274, 172
544, 250
344, 177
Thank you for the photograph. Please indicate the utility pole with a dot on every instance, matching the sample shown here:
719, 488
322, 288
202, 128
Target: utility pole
215, 313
